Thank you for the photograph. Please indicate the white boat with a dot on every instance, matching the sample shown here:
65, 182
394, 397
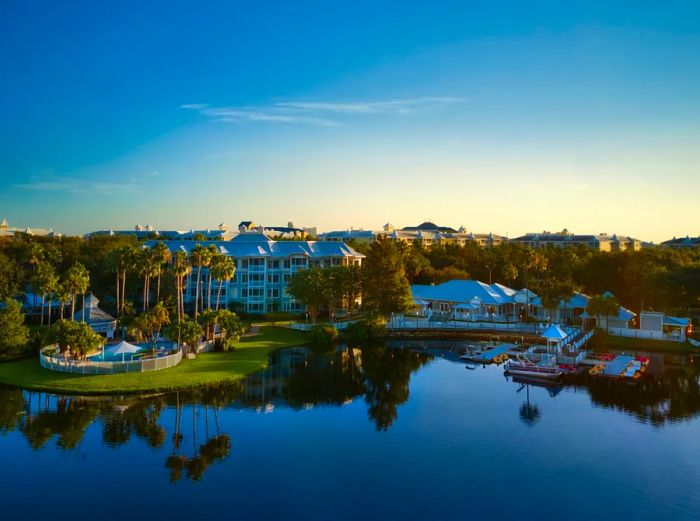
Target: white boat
526, 368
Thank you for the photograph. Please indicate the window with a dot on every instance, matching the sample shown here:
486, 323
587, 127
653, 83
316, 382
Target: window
273, 293
286, 263
287, 277
244, 292
273, 264
273, 279
244, 278
256, 277
244, 264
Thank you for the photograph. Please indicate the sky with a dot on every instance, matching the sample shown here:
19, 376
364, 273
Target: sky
501, 116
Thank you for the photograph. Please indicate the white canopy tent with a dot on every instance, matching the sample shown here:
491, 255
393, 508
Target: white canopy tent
123, 348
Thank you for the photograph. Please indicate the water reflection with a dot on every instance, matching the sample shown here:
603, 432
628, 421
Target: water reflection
297, 378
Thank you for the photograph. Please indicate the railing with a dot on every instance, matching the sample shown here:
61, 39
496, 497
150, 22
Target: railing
307, 326
67, 365
644, 334
402, 324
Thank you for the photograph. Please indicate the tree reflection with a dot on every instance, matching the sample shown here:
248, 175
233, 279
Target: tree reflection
386, 376
529, 413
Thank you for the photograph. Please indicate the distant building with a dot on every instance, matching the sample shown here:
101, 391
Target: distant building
264, 268
683, 242
221, 233
360, 236
10, 231
429, 234
278, 232
600, 242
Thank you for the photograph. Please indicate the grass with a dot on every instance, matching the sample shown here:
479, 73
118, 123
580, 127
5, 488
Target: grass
602, 341
250, 355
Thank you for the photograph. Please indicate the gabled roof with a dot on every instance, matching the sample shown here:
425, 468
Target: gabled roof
258, 245
553, 332
93, 314
461, 291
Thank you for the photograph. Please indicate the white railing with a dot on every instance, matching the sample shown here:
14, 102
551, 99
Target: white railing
407, 325
307, 326
68, 365
644, 334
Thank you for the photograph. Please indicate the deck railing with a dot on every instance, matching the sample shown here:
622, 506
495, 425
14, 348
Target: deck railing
68, 365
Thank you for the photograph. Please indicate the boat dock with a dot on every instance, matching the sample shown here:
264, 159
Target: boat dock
617, 365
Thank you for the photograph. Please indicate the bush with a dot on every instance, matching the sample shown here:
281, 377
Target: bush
364, 331
322, 336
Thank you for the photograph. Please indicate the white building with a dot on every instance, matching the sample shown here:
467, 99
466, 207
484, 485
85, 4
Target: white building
263, 269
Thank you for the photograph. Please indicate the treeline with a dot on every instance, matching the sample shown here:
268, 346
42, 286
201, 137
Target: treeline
649, 279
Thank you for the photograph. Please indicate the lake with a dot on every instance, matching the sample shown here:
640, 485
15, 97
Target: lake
382, 432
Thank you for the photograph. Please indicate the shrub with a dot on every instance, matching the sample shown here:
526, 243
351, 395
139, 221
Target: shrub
322, 336
364, 331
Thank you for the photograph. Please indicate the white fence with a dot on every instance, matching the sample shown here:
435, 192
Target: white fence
67, 365
645, 334
399, 324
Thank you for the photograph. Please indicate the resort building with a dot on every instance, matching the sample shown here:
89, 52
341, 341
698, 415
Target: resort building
600, 242
220, 233
99, 320
662, 327
10, 231
359, 236
278, 232
472, 300
683, 242
263, 269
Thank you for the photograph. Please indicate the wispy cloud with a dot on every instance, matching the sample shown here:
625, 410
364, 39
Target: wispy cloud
322, 113
75, 185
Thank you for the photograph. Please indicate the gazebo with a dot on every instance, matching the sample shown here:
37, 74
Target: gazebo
98, 319
554, 335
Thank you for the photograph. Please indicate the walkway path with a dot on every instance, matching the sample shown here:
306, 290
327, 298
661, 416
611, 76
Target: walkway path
254, 330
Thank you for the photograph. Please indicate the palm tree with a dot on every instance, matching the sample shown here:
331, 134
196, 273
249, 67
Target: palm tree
197, 256
63, 296
46, 281
181, 268
148, 267
161, 255
120, 260
213, 252
222, 269
77, 281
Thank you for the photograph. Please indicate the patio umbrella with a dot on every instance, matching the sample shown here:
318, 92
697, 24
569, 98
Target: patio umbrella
123, 348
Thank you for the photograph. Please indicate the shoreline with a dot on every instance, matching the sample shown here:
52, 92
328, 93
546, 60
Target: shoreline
206, 370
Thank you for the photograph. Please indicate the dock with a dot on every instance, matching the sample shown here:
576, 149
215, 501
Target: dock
617, 365
489, 355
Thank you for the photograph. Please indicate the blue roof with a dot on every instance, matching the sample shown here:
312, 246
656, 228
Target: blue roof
463, 291
258, 245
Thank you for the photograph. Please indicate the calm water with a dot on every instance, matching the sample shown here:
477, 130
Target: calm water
378, 433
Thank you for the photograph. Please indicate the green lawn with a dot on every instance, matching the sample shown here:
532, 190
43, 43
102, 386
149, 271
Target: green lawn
249, 356
602, 341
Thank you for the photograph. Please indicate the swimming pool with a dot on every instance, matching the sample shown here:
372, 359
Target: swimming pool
163, 347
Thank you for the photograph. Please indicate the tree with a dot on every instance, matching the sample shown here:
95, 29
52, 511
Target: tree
181, 267
77, 281
76, 337
386, 288
199, 256
63, 295
15, 334
187, 330
606, 306
213, 253
309, 287
10, 277
161, 255
222, 269
509, 273
45, 281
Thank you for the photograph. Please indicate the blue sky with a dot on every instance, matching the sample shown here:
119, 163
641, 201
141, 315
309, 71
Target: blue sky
499, 116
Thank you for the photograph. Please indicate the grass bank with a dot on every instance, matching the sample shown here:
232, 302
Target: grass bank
250, 355
602, 341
